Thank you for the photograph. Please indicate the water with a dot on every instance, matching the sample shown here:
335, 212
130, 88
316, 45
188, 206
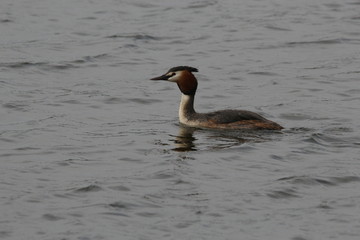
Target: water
91, 149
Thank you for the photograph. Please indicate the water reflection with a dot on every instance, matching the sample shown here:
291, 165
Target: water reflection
184, 141
194, 139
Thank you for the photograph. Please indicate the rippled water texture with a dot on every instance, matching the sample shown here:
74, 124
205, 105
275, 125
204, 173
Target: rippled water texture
91, 149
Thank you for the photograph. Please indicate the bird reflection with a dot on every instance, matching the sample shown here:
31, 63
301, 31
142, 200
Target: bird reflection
184, 141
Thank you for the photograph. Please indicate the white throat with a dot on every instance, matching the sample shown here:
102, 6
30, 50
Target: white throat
186, 108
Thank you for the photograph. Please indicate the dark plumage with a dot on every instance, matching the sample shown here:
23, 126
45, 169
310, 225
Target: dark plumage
228, 116
182, 68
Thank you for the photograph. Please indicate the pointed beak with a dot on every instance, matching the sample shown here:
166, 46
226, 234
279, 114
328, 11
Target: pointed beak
162, 77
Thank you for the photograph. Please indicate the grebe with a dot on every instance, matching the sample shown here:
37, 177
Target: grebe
224, 119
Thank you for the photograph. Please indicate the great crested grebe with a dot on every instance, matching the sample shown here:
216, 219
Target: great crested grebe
224, 119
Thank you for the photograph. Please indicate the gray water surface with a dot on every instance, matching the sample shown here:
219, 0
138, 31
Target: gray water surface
91, 149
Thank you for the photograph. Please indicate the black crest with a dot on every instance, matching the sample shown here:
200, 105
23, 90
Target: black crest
182, 68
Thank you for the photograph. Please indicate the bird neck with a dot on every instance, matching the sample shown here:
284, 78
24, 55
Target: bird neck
186, 108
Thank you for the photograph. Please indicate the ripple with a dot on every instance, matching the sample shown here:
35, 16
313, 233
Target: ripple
324, 205
17, 106
71, 101
6, 20
354, 3
144, 100
94, 58
345, 179
120, 188
306, 180
314, 42
202, 4
331, 141
40, 65
49, 66
135, 36
327, 181
295, 116
273, 27
114, 100
123, 205
117, 100
299, 238
123, 208
283, 194
90, 188
162, 174
45, 66
148, 214
4, 234
264, 73
21, 64
51, 217
323, 41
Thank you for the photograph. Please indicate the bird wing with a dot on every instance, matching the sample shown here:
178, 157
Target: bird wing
229, 116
